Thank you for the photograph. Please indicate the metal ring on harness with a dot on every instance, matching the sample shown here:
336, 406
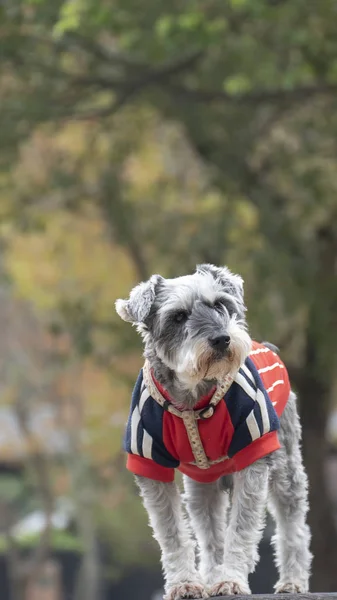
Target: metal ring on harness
207, 412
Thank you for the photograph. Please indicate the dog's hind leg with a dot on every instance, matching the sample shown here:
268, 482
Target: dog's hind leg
288, 503
244, 531
207, 507
164, 506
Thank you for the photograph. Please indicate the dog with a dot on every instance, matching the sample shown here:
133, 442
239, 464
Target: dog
212, 403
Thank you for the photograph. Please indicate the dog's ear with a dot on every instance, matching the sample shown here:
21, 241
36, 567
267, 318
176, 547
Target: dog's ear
231, 283
138, 306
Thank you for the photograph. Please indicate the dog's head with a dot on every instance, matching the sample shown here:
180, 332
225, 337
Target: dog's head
195, 324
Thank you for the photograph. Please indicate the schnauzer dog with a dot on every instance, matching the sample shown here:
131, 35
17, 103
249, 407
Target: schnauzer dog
212, 403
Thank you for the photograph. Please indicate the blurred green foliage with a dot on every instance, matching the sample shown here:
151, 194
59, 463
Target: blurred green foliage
60, 540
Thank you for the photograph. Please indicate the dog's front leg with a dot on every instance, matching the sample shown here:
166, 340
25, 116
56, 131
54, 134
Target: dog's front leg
207, 506
244, 531
163, 504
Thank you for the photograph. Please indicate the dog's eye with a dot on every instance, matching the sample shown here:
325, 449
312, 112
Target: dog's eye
218, 306
180, 316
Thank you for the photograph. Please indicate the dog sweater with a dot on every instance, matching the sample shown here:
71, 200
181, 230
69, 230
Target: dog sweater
241, 429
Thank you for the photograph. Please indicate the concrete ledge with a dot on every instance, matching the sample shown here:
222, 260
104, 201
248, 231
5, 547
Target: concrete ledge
331, 596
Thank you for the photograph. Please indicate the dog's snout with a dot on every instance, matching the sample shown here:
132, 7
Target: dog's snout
221, 342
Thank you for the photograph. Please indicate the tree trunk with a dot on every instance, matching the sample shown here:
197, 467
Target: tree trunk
315, 393
89, 581
121, 223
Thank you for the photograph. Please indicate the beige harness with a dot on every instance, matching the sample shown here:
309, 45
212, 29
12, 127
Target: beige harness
190, 417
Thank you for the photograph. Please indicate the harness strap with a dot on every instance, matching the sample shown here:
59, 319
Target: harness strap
192, 430
212, 462
190, 417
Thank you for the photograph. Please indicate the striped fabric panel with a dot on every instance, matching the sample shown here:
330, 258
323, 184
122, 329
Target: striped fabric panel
271, 367
260, 351
136, 439
140, 439
147, 445
135, 420
260, 398
270, 420
244, 369
253, 426
245, 385
250, 407
144, 430
272, 374
273, 386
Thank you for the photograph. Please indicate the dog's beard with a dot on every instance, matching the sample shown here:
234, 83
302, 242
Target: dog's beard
198, 361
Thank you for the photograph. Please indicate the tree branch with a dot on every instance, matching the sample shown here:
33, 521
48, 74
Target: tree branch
102, 53
255, 97
120, 223
139, 75
130, 89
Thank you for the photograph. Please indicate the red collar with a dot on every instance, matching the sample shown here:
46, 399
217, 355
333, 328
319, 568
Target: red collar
204, 400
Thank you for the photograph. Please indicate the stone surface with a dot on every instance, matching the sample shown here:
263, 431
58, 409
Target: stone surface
322, 596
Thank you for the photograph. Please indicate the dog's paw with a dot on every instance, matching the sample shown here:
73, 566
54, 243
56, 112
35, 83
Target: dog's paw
229, 588
289, 587
186, 590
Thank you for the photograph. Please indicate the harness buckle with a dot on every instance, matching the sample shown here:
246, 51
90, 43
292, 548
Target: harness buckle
206, 412
166, 405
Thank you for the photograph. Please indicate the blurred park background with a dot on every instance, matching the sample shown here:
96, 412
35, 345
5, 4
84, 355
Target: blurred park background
141, 137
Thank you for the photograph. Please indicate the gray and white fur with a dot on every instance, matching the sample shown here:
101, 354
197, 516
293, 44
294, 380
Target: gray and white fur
195, 332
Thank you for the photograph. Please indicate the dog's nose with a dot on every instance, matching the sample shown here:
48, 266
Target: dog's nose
220, 342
